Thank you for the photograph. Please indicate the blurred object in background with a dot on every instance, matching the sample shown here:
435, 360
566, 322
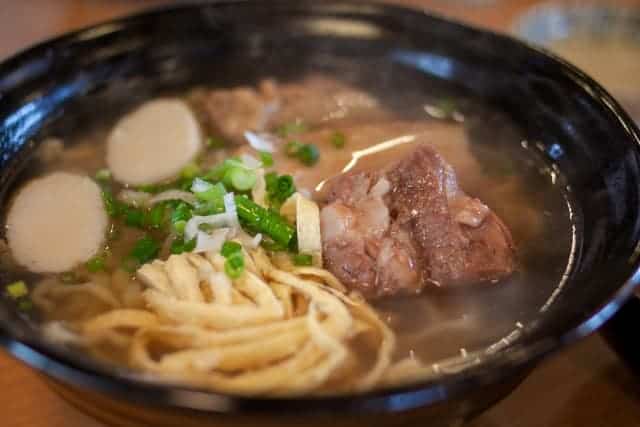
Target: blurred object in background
603, 40
26, 22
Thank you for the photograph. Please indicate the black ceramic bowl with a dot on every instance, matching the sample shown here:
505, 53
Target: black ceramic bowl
75, 80
598, 23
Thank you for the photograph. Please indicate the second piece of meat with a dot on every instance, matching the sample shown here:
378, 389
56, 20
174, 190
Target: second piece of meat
402, 229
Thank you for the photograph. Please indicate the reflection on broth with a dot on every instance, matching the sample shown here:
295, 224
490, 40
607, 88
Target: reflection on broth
292, 238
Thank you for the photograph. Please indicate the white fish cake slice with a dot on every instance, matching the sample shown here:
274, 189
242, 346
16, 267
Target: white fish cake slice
153, 143
56, 222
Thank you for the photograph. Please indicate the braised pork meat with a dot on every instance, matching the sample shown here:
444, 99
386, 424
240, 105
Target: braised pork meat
399, 230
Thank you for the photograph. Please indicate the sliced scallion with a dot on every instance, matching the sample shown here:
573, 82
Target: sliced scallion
240, 179
179, 245
213, 193
264, 221
302, 260
266, 159
17, 289
149, 188
279, 188
178, 227
234, 265
111, 205
284, 187
182, 212
155, 217
229, 248
292, 148
338, 139
309, 154
103, 175
190, 171
209, 208
215, 142
68, 277
95, 264
145, 249
218, 172
134, 217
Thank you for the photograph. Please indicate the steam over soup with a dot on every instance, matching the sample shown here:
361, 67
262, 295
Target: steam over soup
288, 238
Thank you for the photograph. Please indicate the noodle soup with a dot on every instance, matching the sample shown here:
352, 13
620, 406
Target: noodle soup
288, 238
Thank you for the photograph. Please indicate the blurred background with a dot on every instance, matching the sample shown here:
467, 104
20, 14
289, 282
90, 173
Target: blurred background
602, 37
584, 386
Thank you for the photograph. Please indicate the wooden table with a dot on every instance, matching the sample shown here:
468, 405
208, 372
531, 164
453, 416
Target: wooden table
584, 386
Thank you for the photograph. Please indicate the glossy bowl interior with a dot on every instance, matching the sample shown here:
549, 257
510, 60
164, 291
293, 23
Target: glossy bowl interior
598, 24
77, 81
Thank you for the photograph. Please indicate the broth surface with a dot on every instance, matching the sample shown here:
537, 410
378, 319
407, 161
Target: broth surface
493, 161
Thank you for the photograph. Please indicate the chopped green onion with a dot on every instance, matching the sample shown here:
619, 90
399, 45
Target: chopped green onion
134, 217
103, 175
17, 289
95, 264
266, 159
212, 198
218, 172
234, 265
68, 277
185, 184
338, 139
25, 305
145, 250
182, 212
215, 142
271, 181
209, 208
229, 248
111, 205
200, 185
302, 259
190, 245
155, 217
279, 188
293, 148
287, 129
149, 188
264, 221
178, 227
309, 154
190, 171
240, 179
213, 193
284, 187
179, 246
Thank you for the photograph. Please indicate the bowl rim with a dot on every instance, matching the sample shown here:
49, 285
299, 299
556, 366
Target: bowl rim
519, 357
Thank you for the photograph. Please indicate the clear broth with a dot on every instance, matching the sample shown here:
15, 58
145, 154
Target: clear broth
493, 161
